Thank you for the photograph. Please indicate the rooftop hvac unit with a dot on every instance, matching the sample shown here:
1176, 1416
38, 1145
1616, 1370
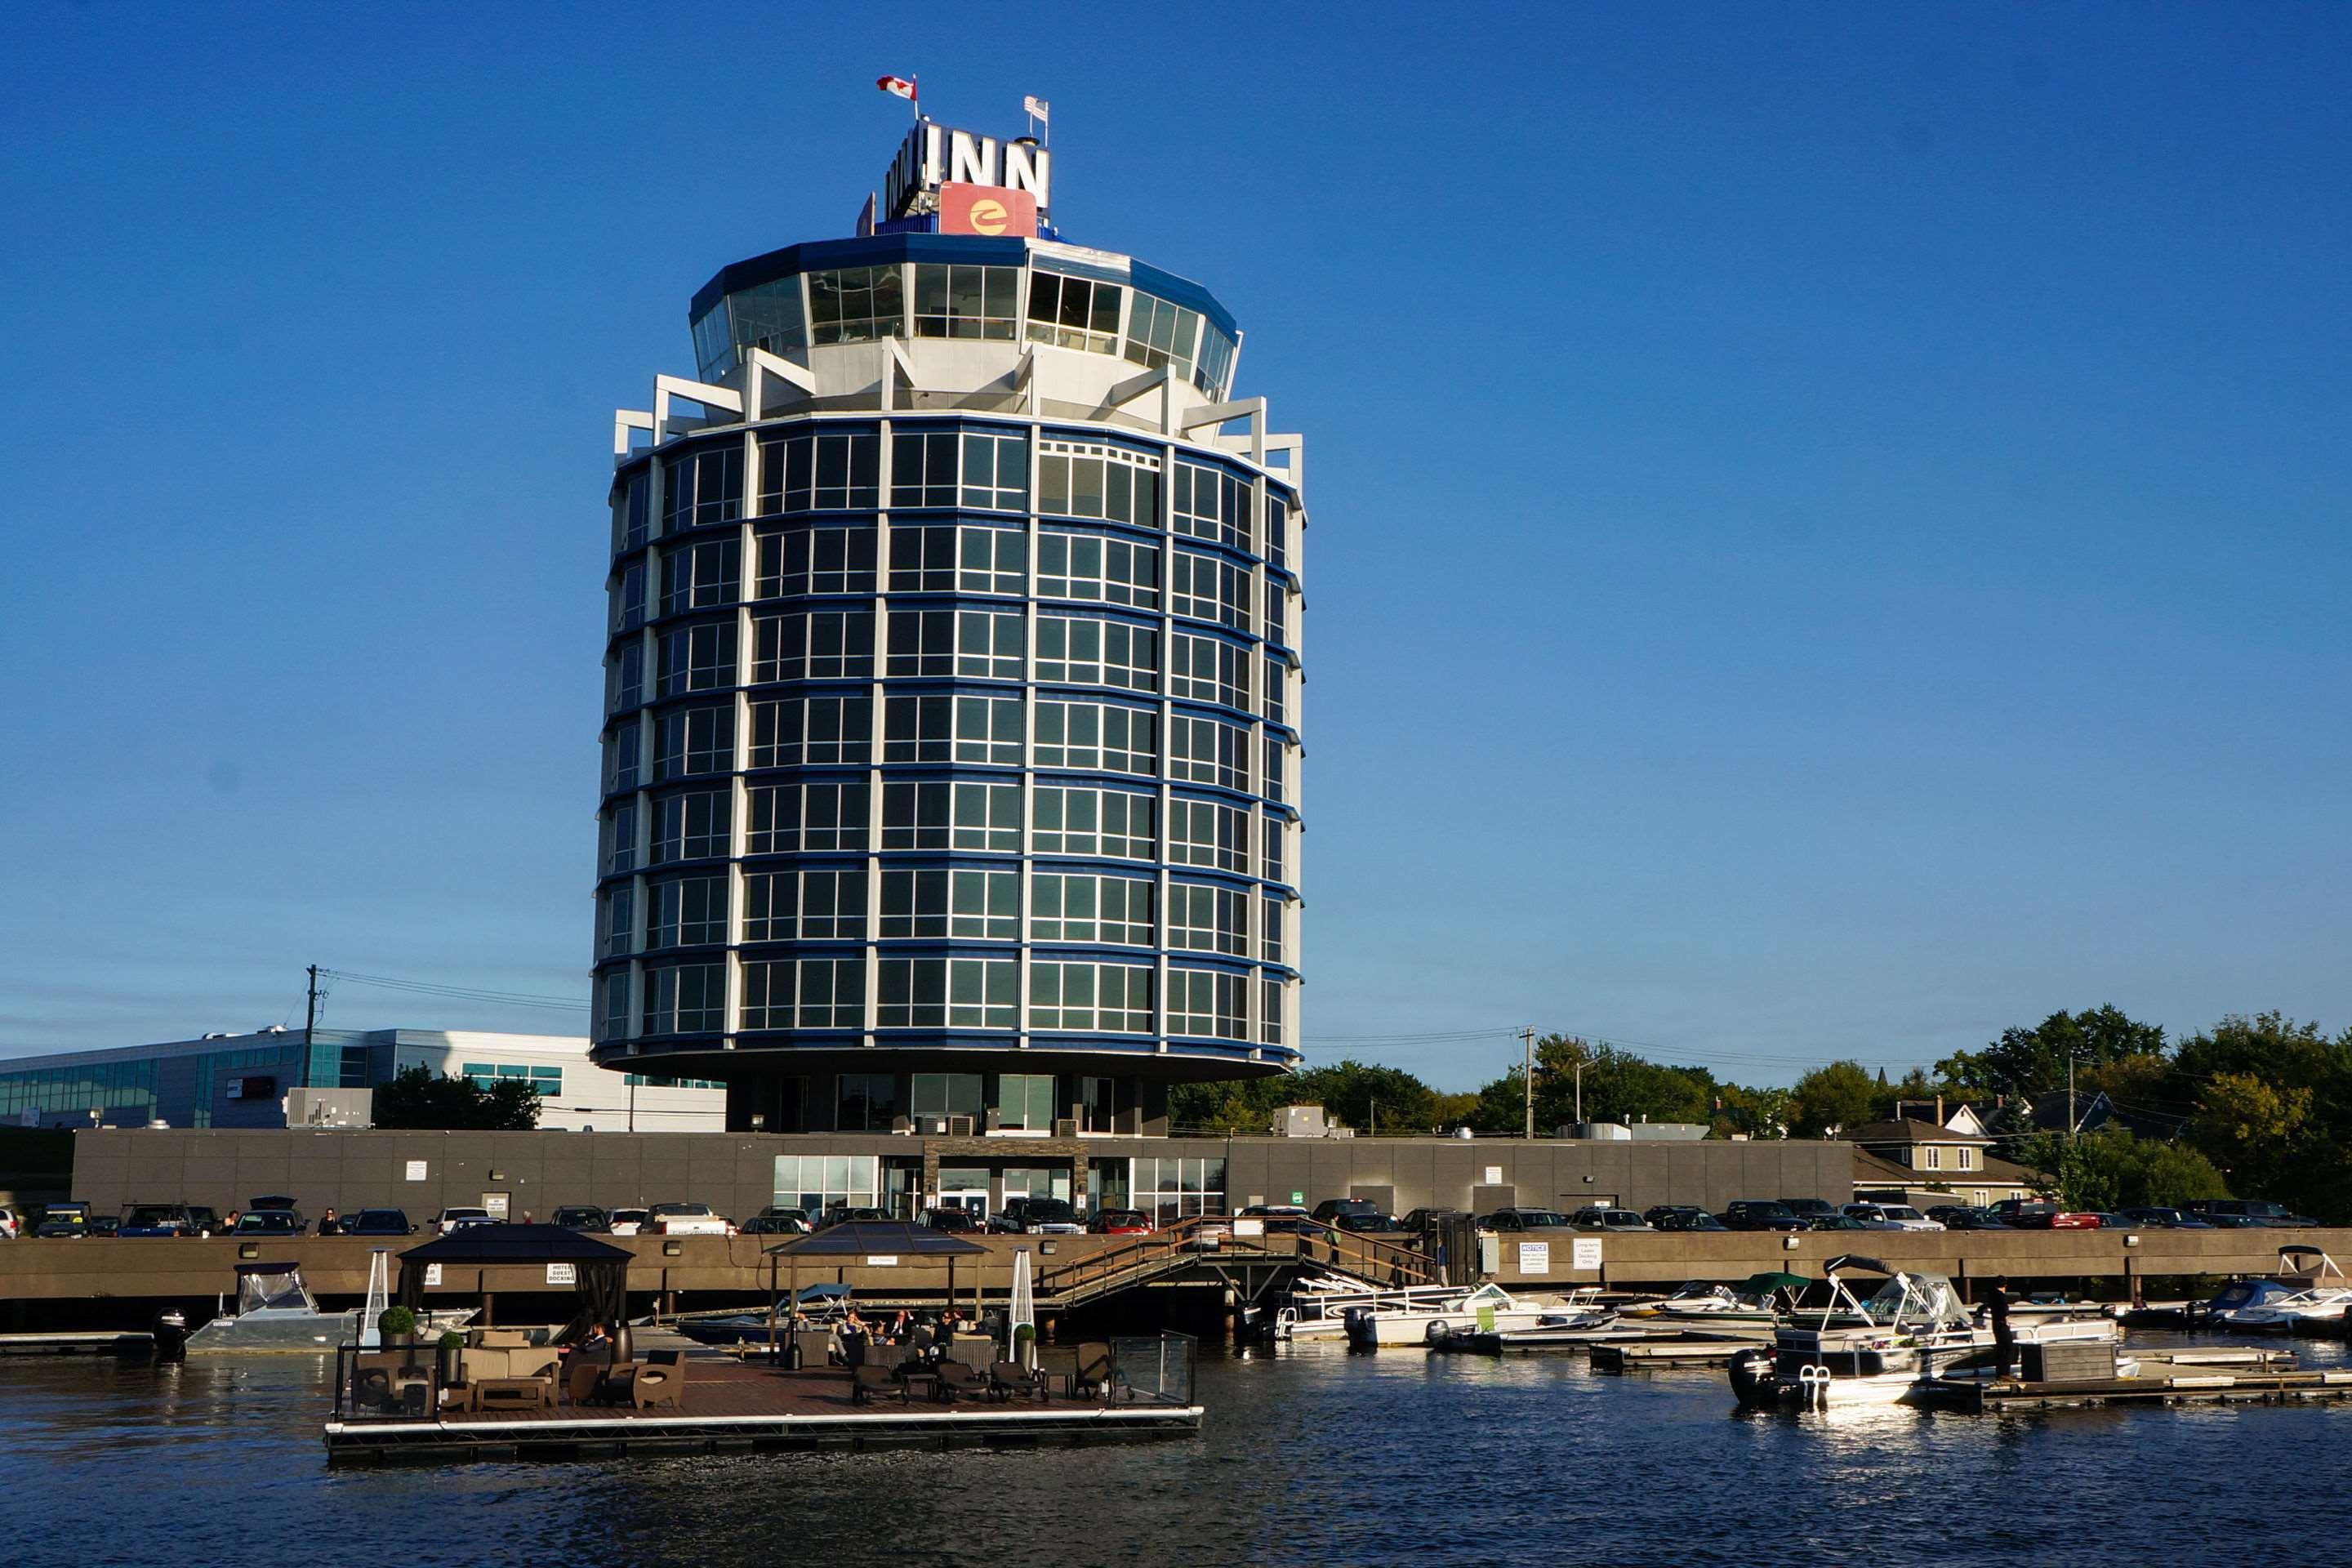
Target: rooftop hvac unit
931, 1126
1065, 1127
1299, 1121
958, 1126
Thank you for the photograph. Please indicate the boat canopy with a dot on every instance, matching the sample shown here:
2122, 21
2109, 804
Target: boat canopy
275, 1285
1765, 1284
2308, 1262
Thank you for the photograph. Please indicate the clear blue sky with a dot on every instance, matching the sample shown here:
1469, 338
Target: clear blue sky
1829, 523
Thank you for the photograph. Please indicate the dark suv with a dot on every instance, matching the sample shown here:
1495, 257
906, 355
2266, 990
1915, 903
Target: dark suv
1330, 1209
1762, 1214
1037, 1217
1682, 1217
2247, 1213
1526, 1219
1809, 1209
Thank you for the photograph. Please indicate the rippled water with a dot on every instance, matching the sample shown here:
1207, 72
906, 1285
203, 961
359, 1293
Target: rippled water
1309, 1455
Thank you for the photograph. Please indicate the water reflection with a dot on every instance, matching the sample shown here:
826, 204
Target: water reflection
1311, 1455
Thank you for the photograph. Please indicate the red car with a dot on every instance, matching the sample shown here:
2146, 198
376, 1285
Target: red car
1122, 1222
2027, 1215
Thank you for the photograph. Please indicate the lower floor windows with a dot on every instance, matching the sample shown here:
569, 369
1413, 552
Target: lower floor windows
1208, 919
1098, 735
808, 993
685, 999
814, 906
952, 992
982, 905
1082, 907
1269, 1013
785, 818
815, 1182
1206, 1002
1208, 833
1110, 996
687, 911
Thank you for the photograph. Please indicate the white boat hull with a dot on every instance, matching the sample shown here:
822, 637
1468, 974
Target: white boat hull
1420, 1328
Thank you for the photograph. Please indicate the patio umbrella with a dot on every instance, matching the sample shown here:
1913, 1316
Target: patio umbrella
1024, 1312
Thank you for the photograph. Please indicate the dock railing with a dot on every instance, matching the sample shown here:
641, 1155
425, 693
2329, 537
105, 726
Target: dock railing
1161, 1367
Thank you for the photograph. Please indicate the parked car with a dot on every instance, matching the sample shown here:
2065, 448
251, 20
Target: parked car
1278, 1219
1429, 1219
66, 1220
169, 1219
268, 1222
1842, 1221
786, 1223
279, 1203
2025, 1214
1209, 1231
1809, 1209
845, 1213
1959, 1216
448, 1220
1122, 1222
1374, 1223
2256, 1212
1524, 1219
627, 1221
685, 1219
379, 1222
2162, 1219
587, 1218
1599, 1218
1037, 1217
953, 1221
1760, 1214
1330, 1209
106, 1225
11, 1227
1682, 1218
1892, 1217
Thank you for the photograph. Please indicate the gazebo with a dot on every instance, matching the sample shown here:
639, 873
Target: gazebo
599, 1270
862, 1240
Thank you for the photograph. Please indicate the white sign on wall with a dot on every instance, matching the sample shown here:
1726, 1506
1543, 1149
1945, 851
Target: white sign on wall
1534, 1257
1494, 1175
562, 1274
432, 1275
890, 1261
417, 1170
1586, 1252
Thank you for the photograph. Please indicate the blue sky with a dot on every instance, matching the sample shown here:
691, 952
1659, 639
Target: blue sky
1828, 523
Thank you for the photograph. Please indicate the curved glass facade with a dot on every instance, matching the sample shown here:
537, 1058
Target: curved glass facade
939, 738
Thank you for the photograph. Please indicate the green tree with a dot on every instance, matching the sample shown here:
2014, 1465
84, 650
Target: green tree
2111, 1168
1618, 1086
1368, 1097
1238, 1106
419, 1099
2030, 1062
1835, 1098
1750, 1113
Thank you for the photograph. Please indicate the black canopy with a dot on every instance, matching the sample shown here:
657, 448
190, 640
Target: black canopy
1855, 1260
600, 1271
894, 1238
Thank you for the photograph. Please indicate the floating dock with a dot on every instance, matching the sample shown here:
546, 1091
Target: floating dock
729, 1407
1667, 1352
2158, 1382
100, 1343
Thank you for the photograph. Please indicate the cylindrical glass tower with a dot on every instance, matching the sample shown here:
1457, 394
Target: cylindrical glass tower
951, 748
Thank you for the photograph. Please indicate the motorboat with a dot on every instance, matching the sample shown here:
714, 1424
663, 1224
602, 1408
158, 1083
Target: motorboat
2308, 1292
276, 1312
1318, 1305
1489, 1309
1874, 1350
1580, 1320
1751, 1310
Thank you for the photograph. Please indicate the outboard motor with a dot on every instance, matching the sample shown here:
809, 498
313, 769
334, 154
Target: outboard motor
170, 1335
1751, 1377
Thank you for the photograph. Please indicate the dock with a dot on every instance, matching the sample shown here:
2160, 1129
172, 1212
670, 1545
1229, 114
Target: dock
97, 1343
730, 1407
1638, 1355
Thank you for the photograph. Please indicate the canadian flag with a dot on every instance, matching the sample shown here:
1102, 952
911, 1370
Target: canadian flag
896, 86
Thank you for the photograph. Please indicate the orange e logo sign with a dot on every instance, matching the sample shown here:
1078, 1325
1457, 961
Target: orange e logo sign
986, 209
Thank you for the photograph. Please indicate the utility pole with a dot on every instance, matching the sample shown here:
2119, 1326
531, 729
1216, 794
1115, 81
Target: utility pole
309, 1024
1580, 1088
1528, 1036
2071, 1121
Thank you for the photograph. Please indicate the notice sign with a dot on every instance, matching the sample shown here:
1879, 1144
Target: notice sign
1586, 1253
432, 1275
888, 1261
1494, 1175
417, 1170
1534, 1257
562, 1274
1248, 1228
987, 209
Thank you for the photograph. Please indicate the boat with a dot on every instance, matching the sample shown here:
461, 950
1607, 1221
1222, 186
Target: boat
1318, 1305
820, 1307
1859, 1351
1489, 1309
1751, 1310
276, 1312
1580, 1321
2309, 1292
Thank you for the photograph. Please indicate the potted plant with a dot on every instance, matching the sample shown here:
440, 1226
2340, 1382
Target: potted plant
398, 1324
453, 1345
1024, 1346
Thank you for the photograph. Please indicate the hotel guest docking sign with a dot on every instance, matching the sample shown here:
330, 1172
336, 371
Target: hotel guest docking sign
1001, 181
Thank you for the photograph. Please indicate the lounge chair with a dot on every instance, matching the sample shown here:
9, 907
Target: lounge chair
956, 1378
659, 1379
868, 1382
583, 1378
1059, 1361
1007, 1378
1098, 1369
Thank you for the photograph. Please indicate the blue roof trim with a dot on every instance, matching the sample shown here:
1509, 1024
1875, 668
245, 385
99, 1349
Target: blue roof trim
1185, 292
882, 248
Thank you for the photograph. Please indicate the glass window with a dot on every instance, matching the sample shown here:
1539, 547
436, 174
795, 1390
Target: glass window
988, 729
686, 911
981, 905
992, 561
951, 992
1073, 821
1092, 478
614, 1007
1088, 566
1206, 1003
1161, 333
1277, 528
1208, 751
821, 470
694, 741
1025, 1101
810, 906
616, 924
1096, 1105
813, 645
1215, 372
1174, 1189
692, 826
685, 999
1073, 312
1098, 735
808, 993
703, 487
1116, 998
856, 304
620, 838
1080, 650
627, 598
984, 644
947, 1094
813, 816
766, 316
624, 679
623, 758
867, 1102
698, 658
1082, 907
1208, 919
1208, 670
702, 576
996, 470
1276, 841
816, 731
1270, 1011
924, 469
631, 509
1208, 833
1211, 503
1272, 782
1211, 589
1277, 689
963, 301
800, 561
1270, 928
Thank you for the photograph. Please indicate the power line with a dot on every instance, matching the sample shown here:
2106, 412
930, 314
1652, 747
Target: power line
461, 993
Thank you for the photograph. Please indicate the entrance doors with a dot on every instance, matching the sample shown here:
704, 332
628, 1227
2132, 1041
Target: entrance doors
965, 1188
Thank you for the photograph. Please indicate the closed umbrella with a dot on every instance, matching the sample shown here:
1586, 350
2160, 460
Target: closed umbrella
1024, 1314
